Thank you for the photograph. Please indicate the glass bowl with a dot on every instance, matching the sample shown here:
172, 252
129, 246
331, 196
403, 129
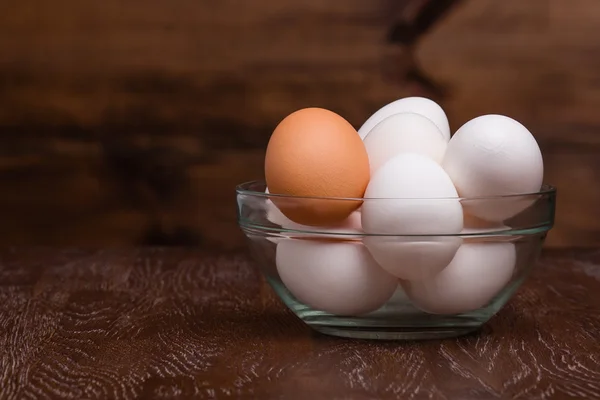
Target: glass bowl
390, 284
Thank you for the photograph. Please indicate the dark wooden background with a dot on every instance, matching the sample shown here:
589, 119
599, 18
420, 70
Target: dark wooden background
130, 122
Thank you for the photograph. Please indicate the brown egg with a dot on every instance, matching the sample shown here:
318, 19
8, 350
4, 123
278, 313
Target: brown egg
315, 152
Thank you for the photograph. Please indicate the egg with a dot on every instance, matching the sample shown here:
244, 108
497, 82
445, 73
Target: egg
418, 105
404, 133
348, 229
478, 272
494, 155
411, 195
339, 278
315, 152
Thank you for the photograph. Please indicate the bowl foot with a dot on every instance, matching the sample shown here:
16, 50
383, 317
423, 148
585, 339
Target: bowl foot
381, 333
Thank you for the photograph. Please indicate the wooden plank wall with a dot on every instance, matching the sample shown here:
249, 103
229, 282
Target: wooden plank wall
130, 122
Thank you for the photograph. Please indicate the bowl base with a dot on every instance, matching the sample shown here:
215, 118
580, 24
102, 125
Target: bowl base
382, 333
398, 319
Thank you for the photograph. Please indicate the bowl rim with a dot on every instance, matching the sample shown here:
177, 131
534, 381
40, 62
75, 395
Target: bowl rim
244, 189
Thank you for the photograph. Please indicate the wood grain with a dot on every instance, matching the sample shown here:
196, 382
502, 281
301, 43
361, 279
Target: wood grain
131, 122
181, 323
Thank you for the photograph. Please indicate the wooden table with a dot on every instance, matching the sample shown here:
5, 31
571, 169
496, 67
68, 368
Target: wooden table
177, 323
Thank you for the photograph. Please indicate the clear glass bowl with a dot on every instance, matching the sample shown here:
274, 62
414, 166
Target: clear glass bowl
332, 277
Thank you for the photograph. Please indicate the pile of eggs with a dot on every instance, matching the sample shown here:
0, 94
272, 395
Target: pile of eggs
398, 183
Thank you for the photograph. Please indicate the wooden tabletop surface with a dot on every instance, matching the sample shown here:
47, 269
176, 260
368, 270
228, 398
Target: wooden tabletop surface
178, 323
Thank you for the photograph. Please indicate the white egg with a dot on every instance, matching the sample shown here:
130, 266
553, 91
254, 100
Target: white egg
411, 195
494, 155
418, 105
404, 133
339, 278
478, 272
349, 229
273, 213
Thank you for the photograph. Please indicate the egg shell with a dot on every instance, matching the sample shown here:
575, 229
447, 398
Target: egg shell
478, 272
404, 133
412, 195
494, 155
418, 105
274, 215
339, 278
315, 152
349, 229
413, 258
